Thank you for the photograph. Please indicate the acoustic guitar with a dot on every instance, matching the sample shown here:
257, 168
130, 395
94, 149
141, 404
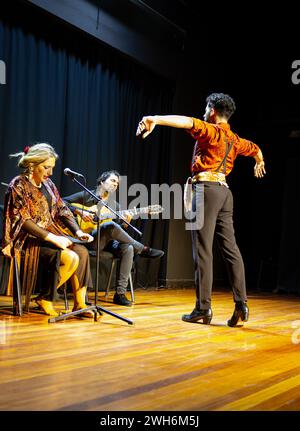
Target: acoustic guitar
106, 215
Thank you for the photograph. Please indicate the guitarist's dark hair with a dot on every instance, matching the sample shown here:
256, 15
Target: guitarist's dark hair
106, 175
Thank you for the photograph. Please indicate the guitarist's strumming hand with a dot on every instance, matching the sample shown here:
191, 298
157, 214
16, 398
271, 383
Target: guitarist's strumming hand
84, 236
86, 216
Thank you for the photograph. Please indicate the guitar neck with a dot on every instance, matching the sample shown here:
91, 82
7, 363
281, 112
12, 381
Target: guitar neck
105, 214
132, 212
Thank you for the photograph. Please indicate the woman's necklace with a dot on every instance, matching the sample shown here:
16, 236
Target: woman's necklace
31, 180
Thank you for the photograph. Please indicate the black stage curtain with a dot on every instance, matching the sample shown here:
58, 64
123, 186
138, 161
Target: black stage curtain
85, 99
288, 276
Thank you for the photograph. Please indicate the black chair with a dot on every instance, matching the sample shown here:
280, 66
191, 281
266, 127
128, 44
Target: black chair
5, 269
18, 308
17, 294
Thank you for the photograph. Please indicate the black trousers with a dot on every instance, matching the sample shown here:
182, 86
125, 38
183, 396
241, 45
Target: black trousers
217, 212
118, 242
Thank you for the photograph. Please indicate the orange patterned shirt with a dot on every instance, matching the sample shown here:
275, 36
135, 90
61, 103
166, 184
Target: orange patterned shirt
211, 145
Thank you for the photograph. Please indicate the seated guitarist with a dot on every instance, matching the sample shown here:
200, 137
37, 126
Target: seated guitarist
113, 237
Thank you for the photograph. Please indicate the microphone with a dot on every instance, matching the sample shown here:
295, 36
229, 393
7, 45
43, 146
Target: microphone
71, 173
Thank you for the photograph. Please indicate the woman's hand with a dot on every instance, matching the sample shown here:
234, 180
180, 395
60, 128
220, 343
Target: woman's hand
84, 236
60, 241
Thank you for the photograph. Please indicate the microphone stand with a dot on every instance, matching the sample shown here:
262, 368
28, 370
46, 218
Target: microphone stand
96, 308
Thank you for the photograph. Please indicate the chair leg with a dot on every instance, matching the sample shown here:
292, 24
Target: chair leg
17, 297
113, 262
87, 298
131, 287
66, 297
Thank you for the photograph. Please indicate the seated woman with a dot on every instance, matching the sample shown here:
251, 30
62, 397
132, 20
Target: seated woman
35, 219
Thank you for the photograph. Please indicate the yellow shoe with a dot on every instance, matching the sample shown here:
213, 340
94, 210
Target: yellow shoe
79, 302
47, 307
87, 313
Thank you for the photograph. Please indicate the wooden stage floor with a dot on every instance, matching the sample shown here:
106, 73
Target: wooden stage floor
158, 364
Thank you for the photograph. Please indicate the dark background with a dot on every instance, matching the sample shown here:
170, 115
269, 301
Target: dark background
81, 74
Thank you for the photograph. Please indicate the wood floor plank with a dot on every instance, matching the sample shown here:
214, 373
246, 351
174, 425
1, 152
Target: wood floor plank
159, 362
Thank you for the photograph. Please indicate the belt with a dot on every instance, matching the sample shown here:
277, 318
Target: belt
215, 177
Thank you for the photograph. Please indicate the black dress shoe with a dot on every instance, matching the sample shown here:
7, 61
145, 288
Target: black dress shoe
153, 253
204, 315
241, 311
120, 299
